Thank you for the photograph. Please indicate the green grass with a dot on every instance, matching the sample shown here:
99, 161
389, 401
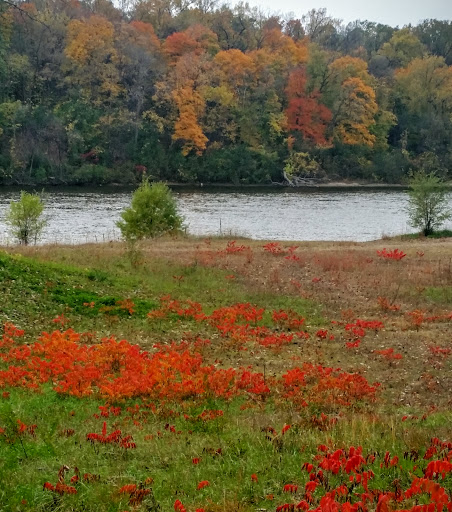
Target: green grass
442, 295
442, 233
27, 462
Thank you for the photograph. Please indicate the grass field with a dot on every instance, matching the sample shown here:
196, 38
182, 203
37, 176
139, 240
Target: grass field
224, 375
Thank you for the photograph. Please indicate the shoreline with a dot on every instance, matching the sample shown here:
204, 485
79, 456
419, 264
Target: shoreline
280, 186
332, 185
353, 185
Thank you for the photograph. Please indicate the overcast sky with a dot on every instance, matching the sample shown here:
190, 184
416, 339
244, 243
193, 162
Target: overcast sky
389, 12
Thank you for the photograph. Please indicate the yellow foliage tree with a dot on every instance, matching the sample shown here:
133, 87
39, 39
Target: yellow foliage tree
346, 67
402, 48
426, 84
351, 97
92, 57
356, 114
283, 46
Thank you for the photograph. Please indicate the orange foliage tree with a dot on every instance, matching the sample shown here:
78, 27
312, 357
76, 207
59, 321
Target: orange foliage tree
187, 129
143, 35
179, 44
236, 68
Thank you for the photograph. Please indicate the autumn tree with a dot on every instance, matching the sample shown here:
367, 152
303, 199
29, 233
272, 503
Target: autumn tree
92, 58
424, 89
187, 129
236, 69
353, 101
179, 44
355, 114
91, 115
426, 84
343, 68
305, 114
280, 45
205, 38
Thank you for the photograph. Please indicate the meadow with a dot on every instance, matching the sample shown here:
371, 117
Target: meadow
222, 375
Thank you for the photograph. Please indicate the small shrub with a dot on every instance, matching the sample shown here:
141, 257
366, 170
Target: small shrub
152, 213
428, 202
24, 218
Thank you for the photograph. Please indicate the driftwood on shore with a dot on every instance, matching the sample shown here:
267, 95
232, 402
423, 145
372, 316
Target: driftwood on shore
299, 181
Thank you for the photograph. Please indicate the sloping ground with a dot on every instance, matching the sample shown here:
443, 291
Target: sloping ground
254, 376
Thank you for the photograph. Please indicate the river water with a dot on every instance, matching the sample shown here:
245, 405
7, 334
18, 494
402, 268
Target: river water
80, 215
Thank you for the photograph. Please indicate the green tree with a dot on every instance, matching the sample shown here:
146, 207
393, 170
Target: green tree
152, 213
428, 202
24, 218
402, 48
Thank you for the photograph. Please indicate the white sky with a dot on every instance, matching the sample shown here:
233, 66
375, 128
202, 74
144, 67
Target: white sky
389, 12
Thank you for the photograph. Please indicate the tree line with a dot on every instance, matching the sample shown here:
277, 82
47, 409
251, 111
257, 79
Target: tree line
197, 91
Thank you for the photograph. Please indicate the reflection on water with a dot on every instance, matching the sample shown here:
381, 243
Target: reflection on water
80, 215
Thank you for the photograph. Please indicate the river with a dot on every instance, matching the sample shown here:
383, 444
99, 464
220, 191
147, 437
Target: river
80, 215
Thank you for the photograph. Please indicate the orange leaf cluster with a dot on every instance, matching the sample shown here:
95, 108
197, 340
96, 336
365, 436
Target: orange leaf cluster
117, 370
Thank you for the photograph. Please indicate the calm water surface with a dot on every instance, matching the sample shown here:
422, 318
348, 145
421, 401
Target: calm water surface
81, 215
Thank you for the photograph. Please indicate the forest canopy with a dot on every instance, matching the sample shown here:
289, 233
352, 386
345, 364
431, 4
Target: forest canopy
93, 92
